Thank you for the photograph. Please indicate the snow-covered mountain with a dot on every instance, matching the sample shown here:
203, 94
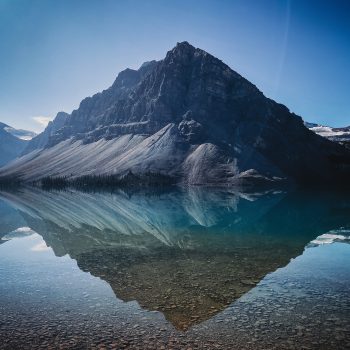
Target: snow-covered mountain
189, 116
340, 135
20, 133
12, 142
334, 134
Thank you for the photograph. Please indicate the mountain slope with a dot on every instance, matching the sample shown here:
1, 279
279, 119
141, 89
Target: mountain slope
12, 142
189, 116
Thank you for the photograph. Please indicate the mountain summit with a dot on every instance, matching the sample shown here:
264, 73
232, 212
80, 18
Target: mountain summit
189, 116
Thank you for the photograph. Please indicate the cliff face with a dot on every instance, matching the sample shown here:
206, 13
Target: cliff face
189, 116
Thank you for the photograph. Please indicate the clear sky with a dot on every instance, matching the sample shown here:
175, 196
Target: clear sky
56, 52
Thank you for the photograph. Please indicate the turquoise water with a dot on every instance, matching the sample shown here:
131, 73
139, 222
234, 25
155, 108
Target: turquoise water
188, 268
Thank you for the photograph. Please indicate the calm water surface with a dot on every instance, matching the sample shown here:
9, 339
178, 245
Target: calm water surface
195, 268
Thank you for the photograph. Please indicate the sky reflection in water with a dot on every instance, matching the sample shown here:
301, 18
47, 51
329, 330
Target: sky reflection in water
210, 263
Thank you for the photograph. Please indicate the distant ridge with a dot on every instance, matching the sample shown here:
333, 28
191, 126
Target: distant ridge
340, 135
12, 142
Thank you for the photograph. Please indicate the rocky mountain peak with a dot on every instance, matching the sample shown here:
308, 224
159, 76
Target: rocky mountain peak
184, 54
181, 49
61, 117
183, 44
126, 78
42, 140
189, 116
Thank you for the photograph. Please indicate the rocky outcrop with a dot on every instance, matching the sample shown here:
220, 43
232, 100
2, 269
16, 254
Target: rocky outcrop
191, 116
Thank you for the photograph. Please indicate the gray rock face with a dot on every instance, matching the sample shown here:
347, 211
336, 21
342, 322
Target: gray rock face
41, 141
188, 115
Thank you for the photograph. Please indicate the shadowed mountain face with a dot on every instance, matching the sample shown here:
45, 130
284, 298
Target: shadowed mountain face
189, 253
189, 116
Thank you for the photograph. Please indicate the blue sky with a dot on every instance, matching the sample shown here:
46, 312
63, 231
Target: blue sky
55, 53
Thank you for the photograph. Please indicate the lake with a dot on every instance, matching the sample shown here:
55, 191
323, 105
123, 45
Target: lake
184, 268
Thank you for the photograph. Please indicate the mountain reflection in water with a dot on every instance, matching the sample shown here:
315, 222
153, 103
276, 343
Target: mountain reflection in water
188, 253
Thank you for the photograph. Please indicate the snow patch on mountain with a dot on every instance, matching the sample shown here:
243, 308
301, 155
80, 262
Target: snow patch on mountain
334, 134
20, 133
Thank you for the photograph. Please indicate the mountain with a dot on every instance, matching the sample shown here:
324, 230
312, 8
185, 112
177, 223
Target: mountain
188, 116
334, 134
41, 141
340, 135
20, 133
12, 142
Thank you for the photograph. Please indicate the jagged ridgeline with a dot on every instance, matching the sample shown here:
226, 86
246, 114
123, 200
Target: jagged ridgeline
189, 117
